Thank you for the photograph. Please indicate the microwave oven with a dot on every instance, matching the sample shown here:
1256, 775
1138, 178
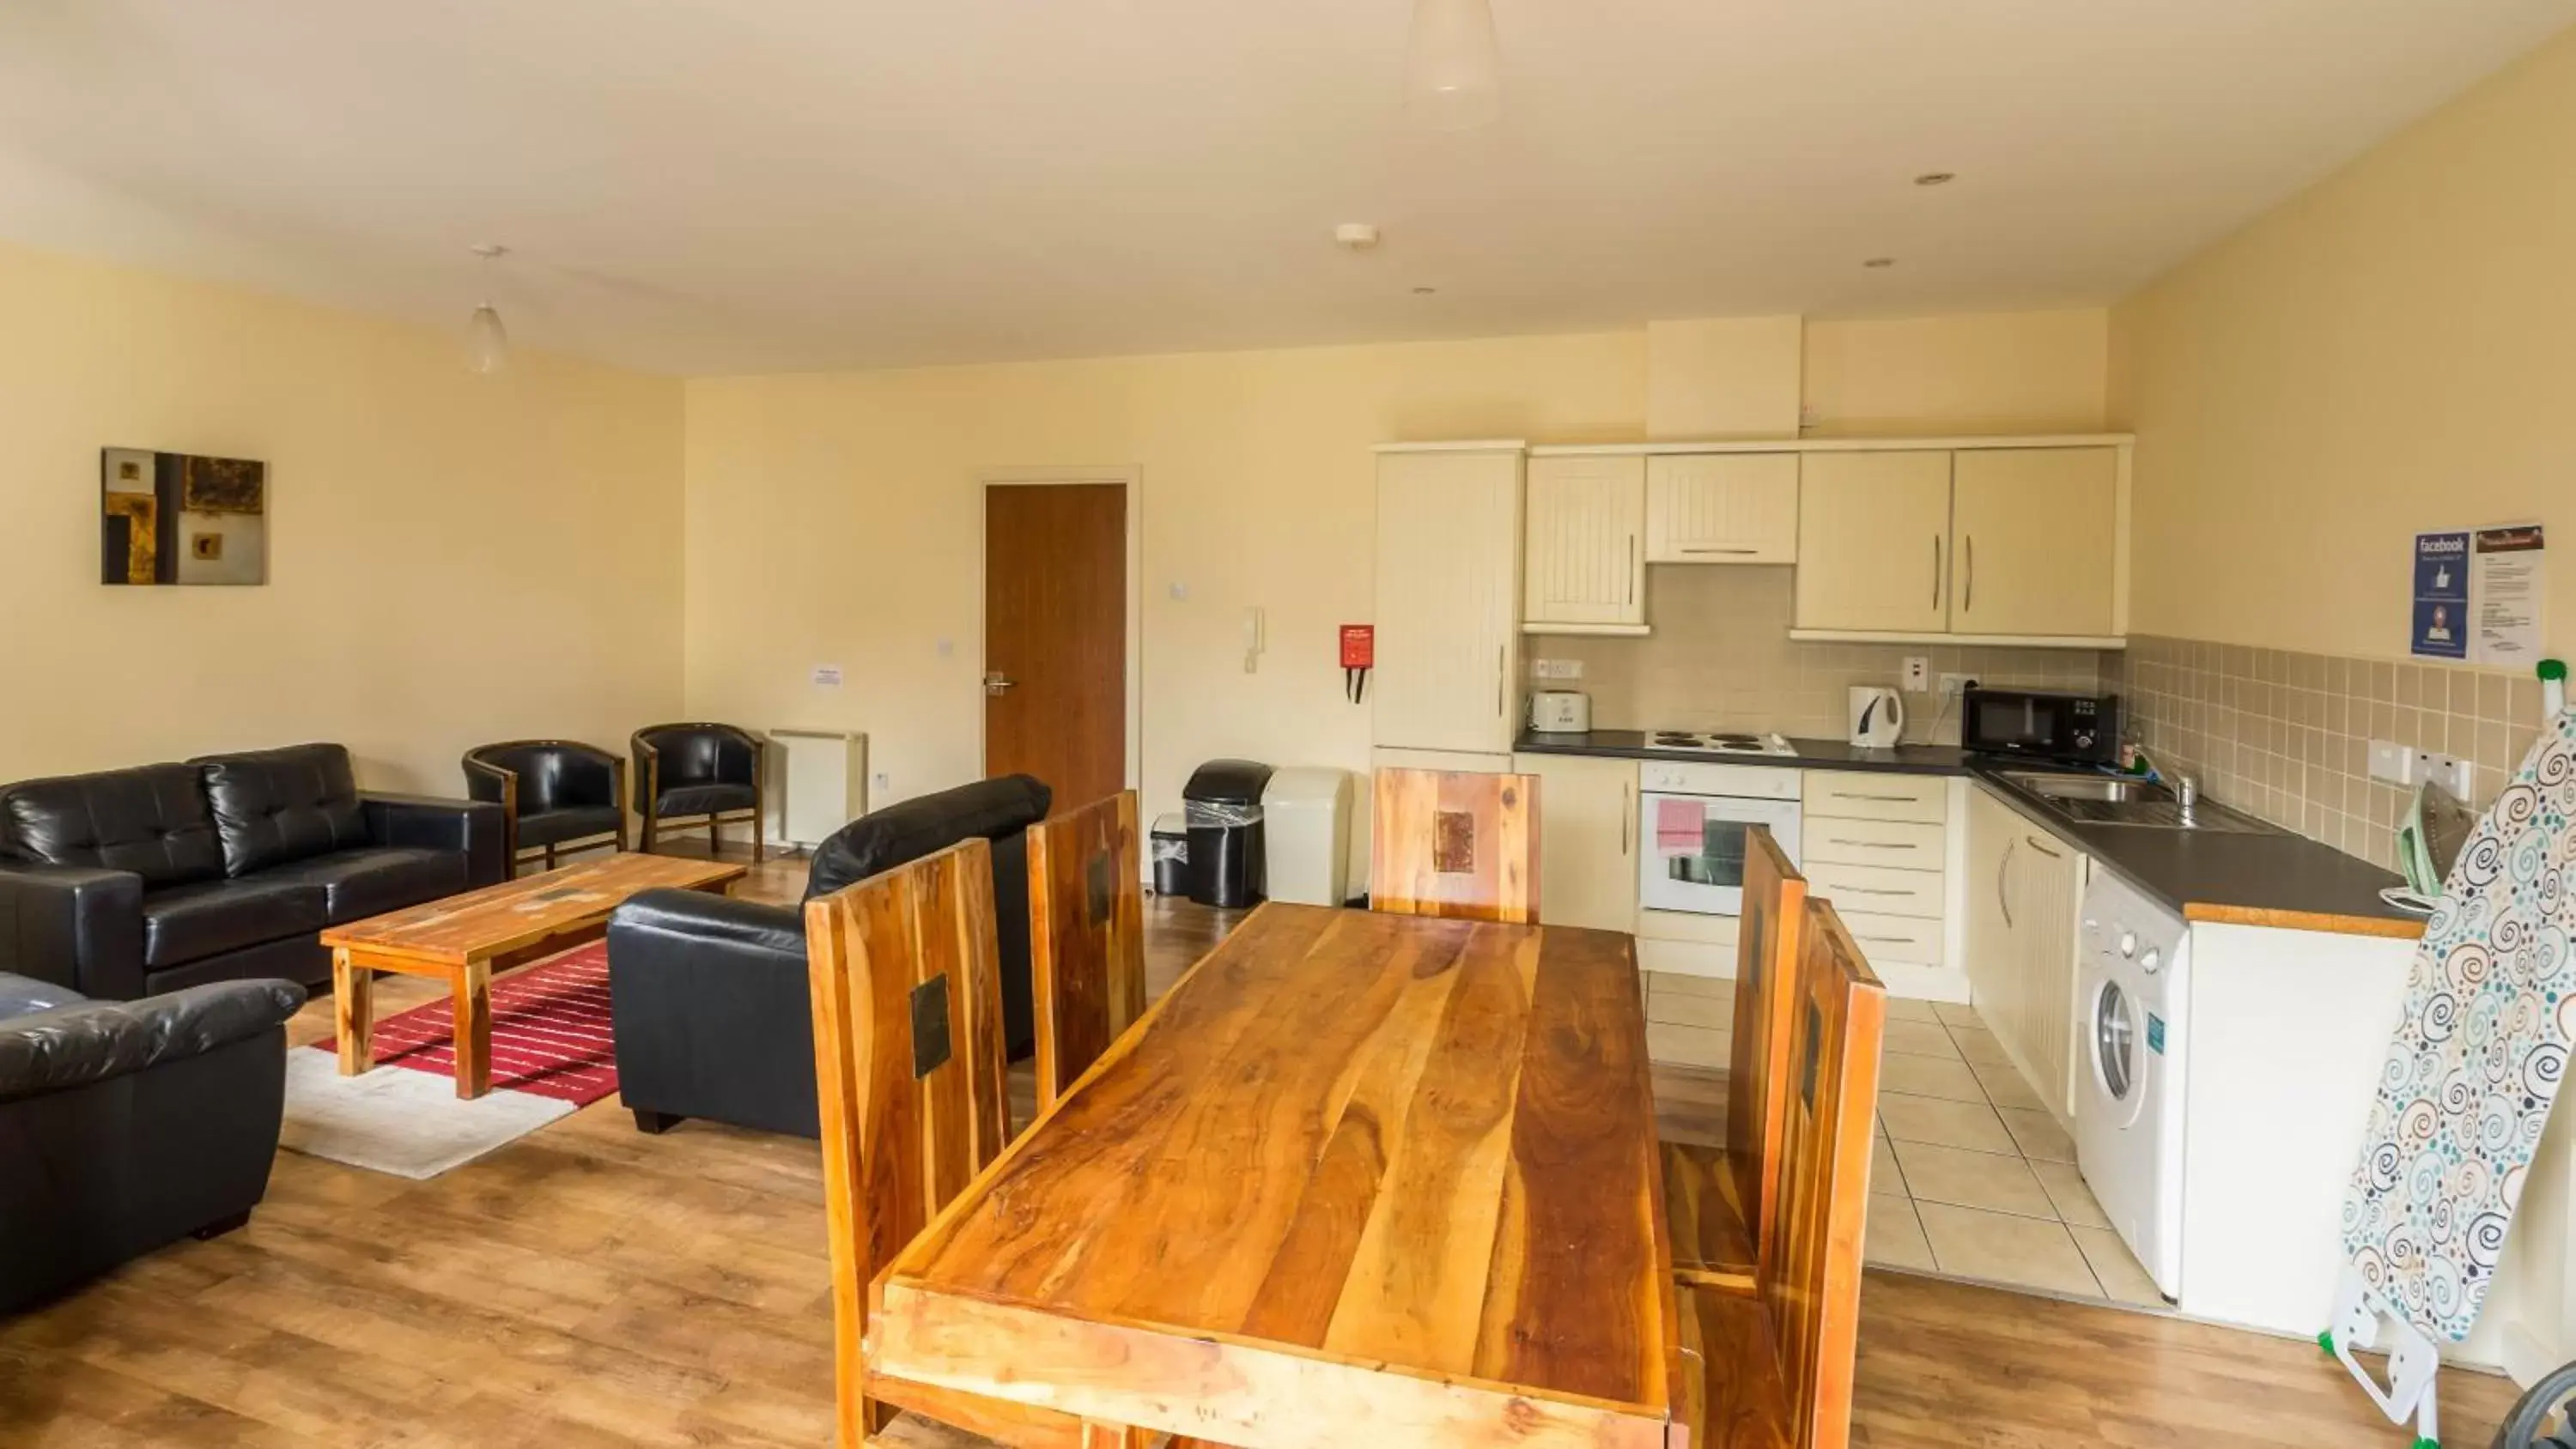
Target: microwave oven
2077, 729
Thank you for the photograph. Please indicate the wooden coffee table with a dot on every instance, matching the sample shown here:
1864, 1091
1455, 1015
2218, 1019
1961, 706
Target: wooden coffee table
464, 939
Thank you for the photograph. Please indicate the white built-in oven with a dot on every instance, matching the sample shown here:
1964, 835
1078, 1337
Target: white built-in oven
1694, 824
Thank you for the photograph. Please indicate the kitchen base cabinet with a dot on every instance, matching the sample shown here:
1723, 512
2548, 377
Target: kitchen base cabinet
1878, 847
2025, 886
1587, 840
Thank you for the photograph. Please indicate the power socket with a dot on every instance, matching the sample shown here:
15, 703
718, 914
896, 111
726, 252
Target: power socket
1954, 685
1556, 669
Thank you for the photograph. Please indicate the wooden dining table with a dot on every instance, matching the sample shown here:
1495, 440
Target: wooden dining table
1357, 1179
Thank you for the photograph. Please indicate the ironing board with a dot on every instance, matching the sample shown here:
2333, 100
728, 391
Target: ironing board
2475, 1064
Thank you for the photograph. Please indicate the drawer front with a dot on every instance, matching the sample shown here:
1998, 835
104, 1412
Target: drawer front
1908, 844
1876, 890
1854, 795
1914, 939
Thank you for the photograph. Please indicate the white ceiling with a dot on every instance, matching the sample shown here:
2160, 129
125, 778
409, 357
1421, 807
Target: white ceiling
708, 186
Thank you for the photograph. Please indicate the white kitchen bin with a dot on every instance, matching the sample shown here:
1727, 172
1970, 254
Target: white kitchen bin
1308, 810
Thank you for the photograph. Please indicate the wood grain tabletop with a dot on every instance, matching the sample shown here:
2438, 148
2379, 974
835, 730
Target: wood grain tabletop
501, 918
1352, 1168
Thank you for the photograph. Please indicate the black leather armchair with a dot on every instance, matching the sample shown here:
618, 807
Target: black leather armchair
709, 994
700, 771
129, 1125
554, 795
128, 883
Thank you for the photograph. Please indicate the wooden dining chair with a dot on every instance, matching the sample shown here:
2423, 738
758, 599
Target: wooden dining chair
1086, 936
1445, 843
1720, 1200
1774, 1369
909, 1060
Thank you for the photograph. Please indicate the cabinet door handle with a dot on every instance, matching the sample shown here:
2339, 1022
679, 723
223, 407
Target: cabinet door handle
1888, 940
1501, 678
1887, 799
1741, 551
1968, 579
1627, 817
1635, 566
2003, 873
2033, 842
1936, 571
1872, 844
1866, 891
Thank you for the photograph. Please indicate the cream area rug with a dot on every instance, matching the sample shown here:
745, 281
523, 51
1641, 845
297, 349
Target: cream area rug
409, 1124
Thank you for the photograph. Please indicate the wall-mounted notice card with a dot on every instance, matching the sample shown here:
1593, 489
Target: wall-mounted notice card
2511, 594
2440, 629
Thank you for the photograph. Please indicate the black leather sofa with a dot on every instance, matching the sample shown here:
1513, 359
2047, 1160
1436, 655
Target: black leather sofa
709, 994
130, 883
128, 1125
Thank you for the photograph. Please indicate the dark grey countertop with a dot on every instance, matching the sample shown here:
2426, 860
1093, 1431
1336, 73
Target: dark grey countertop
2267, 878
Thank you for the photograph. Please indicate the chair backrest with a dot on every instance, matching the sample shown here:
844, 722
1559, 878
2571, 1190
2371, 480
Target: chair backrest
1086, 936
909, 1061
1770, 933
695, 754
1458, 845
541, 775
1811, 1265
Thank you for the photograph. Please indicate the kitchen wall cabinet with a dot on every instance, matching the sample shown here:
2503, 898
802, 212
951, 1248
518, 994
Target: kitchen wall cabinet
1722, 508
1448, 597
2033, 534
1874, 541
1586, 564
2025, 886
1587, 840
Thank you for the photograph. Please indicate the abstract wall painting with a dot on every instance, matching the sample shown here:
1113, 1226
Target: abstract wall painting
172, 518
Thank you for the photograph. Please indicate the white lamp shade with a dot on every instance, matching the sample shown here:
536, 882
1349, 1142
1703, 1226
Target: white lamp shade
487, 343
1453, 78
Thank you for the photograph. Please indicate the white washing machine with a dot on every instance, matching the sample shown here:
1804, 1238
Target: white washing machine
2133, 999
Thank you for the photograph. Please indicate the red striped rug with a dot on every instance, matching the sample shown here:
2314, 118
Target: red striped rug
550, 1031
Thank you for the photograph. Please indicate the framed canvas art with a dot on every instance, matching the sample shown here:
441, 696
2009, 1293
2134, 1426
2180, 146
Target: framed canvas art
173, 518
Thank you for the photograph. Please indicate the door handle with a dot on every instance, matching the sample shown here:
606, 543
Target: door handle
1740, 551
1936, 571
1968, 579
2033, 842
1872, 844
1627, 816
1634, 566
998, 683
2003, 872
1500, 679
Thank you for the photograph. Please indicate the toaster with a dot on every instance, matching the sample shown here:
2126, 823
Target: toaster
1560, 712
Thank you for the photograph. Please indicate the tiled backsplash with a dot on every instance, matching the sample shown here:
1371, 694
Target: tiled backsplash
2286, 736
1720, 656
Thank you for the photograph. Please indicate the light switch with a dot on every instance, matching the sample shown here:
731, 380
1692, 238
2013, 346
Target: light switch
1918, 673
1556, 669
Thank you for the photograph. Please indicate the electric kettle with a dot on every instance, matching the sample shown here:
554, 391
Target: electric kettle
1877, 717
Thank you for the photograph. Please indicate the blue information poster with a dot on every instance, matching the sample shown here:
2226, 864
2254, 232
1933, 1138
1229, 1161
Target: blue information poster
2441, 625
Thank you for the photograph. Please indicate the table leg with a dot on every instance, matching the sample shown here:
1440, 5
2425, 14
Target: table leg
473, 1013
353, 1012
1097, 1435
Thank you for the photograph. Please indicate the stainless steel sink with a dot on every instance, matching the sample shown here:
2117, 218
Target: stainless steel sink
2086, 787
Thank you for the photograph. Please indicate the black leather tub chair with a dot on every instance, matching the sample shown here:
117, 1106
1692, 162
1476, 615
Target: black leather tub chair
125, 1126
129, 883
554, 795
709, 994
708, 773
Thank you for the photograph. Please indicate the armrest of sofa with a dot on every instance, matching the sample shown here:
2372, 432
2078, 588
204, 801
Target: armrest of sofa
74, 926
92, 1041
656, 925
476, 827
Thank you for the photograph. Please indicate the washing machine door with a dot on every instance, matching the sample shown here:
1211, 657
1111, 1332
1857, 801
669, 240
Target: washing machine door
2115, 1027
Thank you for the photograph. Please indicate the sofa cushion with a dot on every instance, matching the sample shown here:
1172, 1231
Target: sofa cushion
186, 923
273, 806
22, 995
992, 809
703, 800
356, 884
553, 827
152, 821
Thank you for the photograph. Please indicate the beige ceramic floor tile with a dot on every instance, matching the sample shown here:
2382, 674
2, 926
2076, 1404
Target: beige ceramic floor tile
1714, 1012
2038, 1135
2001, 1248
1920, 1039
2068, 1194
1972, 1125
2118, 1269
1929, 1077
1691, 1046
1884, 1174
1978, 1046
1894, 1238
1677, 984
1906, 1008
1973, 1179
1953, 1013
2004, 1086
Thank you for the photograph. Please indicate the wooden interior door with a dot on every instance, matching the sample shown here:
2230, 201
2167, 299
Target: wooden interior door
1055, 636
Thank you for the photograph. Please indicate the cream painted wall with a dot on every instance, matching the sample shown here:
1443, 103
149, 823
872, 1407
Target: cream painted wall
2393, 350
1987, 372
838, 520
452, 559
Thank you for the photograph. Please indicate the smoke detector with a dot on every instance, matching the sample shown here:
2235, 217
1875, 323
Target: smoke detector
1355, 236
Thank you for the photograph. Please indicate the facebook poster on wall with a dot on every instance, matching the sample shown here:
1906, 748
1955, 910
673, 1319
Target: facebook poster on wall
2441, 627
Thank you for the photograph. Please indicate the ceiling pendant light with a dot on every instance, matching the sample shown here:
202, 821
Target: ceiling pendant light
1453, 78
487, 343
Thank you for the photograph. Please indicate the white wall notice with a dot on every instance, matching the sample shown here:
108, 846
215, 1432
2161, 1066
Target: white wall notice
2510, 594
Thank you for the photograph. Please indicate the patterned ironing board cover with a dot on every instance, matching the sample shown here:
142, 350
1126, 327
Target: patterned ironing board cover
2478, 1056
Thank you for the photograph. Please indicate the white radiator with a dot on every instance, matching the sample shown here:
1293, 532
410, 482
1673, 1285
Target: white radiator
825, 785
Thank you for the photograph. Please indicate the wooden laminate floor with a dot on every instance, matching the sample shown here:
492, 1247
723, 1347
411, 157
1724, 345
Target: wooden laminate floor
592, 1286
